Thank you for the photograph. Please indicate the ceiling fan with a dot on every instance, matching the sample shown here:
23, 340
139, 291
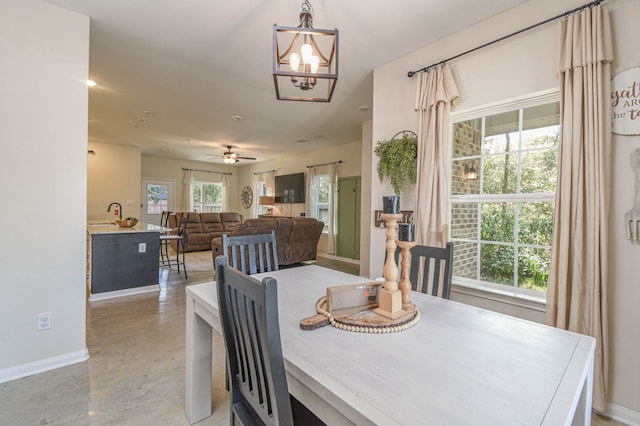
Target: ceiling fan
230, 157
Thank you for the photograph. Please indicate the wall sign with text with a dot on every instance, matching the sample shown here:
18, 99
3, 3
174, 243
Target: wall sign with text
625, 102
407, 217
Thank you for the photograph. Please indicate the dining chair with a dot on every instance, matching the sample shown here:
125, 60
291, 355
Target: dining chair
431, 269
255, 365
250, 327
180, 237
251, 253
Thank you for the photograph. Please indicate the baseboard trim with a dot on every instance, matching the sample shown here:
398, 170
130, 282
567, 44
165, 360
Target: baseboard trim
124, 292
622, 414
40, 366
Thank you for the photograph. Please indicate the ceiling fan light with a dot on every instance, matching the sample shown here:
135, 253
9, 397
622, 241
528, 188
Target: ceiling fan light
229, 159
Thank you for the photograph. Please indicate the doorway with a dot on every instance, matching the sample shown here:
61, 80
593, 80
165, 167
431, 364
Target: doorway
157, 196
348, 237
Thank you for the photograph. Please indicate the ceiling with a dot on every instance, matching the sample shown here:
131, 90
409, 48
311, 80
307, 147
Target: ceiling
171, 75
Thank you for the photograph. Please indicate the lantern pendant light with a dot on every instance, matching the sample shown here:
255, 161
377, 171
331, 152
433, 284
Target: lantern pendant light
305, 60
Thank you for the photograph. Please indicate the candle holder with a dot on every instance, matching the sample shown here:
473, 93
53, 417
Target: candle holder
405, 284
390, 297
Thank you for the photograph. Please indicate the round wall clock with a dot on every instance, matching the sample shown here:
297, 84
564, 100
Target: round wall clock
246, 196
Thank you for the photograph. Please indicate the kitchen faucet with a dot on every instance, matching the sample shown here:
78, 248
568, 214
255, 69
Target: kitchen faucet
119, 207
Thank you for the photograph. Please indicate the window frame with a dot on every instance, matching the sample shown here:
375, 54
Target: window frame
202, 204
531, 298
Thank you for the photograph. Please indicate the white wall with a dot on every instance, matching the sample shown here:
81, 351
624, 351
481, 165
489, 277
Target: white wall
113, 176
515, 67
43, 167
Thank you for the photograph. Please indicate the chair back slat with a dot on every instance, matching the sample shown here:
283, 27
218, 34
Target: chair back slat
431, 269
250, 325
251, 253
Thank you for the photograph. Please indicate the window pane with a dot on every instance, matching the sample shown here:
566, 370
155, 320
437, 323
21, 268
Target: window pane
464, 221
499, 175
465, 260
539, 171
467, 138
533, 268
323, 189
496, 263
501, 133
536, 223
498, 222
541, 138
197, 193
541, 116
459, 184
156, 198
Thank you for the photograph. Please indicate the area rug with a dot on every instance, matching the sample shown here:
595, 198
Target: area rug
197, 261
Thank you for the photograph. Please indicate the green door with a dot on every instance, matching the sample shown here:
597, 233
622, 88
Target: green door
348, 237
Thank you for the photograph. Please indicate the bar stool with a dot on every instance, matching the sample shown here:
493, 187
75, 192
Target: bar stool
180, 237
164, 242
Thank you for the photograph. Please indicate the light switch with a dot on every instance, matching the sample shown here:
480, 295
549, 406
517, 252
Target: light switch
142, 247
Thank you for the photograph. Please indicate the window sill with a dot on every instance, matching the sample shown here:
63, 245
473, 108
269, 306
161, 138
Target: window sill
511, 296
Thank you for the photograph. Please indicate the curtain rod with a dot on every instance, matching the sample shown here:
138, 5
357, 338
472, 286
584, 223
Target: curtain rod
208, 171
266, 171
325, 164
577, 9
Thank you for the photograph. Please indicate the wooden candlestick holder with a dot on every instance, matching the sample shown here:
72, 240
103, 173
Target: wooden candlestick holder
390, 298
405, 284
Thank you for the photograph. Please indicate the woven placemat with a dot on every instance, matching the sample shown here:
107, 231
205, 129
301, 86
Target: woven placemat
364, 321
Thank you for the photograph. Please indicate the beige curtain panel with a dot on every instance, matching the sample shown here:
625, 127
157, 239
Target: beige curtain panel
436, 92
577, 290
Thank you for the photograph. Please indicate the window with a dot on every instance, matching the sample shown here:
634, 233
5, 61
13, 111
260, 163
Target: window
502, 222
321, 186
156, 198
261, 189
206, 197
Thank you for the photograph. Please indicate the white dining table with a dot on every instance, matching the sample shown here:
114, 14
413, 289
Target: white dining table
458, 365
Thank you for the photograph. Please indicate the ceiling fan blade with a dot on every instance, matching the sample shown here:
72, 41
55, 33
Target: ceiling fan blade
245, 158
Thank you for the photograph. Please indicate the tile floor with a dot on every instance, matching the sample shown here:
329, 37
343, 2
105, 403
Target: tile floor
135, 374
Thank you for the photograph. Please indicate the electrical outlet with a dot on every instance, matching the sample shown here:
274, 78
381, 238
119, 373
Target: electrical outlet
44, 321
142, 247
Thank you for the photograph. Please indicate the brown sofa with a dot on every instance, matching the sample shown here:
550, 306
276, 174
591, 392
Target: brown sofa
204, 227
296, 238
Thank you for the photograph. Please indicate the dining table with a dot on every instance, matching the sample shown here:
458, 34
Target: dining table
458, 365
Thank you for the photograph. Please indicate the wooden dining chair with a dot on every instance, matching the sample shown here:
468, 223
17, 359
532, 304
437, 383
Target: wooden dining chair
251, 254
431, 269
180, 237
250, 327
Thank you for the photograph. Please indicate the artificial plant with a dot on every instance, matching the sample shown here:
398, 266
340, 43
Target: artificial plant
398, 160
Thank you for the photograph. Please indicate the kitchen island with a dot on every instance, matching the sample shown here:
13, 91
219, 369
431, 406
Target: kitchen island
122, 261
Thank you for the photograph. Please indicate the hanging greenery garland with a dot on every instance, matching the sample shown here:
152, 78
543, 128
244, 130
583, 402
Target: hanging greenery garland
398, 160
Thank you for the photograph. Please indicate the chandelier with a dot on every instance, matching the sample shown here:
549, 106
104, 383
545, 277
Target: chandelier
305, 60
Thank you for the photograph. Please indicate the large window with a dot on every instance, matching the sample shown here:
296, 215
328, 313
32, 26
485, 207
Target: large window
206, 197
321, 186
502, 221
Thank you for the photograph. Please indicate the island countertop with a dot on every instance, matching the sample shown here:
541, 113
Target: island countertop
110, 227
